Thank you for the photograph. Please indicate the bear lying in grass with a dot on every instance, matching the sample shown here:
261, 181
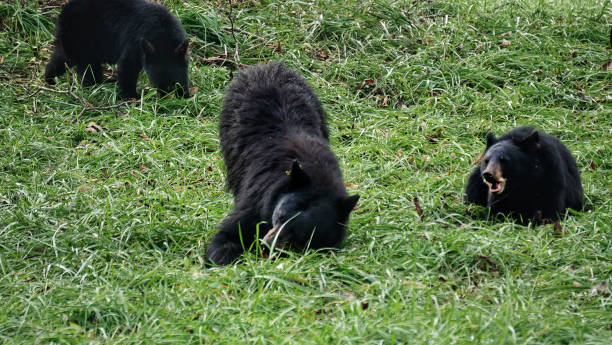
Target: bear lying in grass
131, 33
526, 174
287, 184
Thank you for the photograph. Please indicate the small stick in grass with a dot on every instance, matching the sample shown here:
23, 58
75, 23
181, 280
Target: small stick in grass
418, 207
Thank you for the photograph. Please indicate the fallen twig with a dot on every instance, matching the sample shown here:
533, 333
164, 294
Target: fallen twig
222, 60
418, 207
244, 32
233, 31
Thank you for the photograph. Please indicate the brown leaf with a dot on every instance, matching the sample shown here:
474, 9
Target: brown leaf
493, 267
144, 137
279, 47
1, 59
600, 289
478, 159
363, 211
84, 188
322, 55
417, 206
592, 165
505, 43
385, 101
434, 137
369, 81
142, 167
607, 66
127, 184
198, 180
193, 90
350, 185
576, 284
559, 231
93, 127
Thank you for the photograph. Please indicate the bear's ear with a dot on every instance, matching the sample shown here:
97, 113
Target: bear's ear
491, 139
297, 176
531, 140
147, 47
182, 48
347, 204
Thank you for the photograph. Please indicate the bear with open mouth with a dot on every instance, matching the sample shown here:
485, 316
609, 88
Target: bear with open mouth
287, 185
526, 174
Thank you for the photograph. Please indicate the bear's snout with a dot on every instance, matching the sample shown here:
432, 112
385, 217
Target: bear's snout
489, 177
492, 176
492, 173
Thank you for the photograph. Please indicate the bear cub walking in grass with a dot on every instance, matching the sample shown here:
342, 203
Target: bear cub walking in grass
284, 177
131, 33
526, 174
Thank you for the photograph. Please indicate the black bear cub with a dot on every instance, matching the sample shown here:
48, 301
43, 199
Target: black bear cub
287, 184
526, 174
131, 33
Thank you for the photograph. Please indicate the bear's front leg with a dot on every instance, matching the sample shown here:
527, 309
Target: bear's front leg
476, 191
128, 68
223, 249
236, 234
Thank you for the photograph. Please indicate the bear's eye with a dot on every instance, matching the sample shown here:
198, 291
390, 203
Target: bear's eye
486, 161
503, 159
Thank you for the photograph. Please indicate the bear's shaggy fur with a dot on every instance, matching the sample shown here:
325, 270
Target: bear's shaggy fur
131, 33
280, 168
526, 174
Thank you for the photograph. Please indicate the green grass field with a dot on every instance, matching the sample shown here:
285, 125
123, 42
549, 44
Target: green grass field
106, 208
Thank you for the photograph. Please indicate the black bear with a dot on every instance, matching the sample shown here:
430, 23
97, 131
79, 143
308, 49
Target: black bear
287, 184
526, 174
131, 33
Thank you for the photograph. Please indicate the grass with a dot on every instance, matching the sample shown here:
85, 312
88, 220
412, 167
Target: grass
106, 208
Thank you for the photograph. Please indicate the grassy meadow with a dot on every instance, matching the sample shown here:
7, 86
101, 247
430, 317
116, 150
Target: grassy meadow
106, 207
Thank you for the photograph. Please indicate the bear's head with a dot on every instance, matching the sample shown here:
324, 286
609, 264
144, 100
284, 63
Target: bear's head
166, 66
509, 161
306, 217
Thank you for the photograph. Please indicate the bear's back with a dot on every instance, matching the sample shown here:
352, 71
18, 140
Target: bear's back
270, 100
266, 108
560, 172
101, 30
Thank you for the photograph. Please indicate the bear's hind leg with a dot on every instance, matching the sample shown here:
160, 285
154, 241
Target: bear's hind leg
56, 65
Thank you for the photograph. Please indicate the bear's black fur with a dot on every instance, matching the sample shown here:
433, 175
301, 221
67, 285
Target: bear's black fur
131, 33
527, 174
280, 168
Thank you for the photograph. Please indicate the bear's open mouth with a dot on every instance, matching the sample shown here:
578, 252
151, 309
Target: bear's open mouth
272, 238
496, 186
